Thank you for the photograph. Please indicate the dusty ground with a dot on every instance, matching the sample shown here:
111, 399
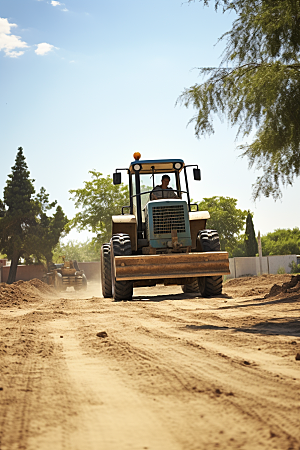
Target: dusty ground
167, 371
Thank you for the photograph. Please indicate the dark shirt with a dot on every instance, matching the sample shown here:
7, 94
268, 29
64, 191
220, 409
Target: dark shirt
162, 193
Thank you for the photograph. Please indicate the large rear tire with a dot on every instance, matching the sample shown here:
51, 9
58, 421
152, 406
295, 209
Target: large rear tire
208, 241
191, 288
106, 271
120, 246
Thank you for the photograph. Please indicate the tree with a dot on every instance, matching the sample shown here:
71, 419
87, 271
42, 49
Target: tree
20, 216
98, 200
257, 85
48, 230
81, 251
226, 218
25, 229
239, 248
250, 239
281, 242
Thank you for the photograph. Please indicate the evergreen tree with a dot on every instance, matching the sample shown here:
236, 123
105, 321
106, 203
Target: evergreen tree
250, 239
257, 85
26, 230
20, 215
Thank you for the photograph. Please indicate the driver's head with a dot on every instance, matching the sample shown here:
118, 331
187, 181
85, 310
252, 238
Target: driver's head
165, 180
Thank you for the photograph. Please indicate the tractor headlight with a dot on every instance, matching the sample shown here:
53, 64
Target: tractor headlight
177, 166
137, 167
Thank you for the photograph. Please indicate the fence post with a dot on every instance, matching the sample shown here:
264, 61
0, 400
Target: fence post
259, 253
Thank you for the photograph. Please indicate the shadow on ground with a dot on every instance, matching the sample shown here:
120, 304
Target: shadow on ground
286, 326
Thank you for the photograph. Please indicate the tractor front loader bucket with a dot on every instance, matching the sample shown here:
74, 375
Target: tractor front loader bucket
173, 265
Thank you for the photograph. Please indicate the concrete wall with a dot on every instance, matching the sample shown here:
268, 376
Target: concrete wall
277, 262
244, 266
91, 270
239, 267
24, 273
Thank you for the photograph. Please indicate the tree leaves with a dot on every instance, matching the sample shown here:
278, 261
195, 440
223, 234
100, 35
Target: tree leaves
98, 200
281, 242
226, 218
257, 86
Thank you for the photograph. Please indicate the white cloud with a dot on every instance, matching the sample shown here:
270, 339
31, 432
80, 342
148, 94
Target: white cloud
65, 9
44, 48
54, 3
10, 42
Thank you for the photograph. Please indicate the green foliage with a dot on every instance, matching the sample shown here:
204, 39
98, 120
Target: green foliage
257, 85
250, 239
239, 248
79, 251
226, 218
281, 271
48, 229
281, 242
295, 268
98, 200
25, 229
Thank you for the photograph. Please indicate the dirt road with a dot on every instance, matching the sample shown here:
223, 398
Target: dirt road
164, 371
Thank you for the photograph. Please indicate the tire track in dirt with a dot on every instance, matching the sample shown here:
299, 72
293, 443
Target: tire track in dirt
211, 374
111, 414
187, 373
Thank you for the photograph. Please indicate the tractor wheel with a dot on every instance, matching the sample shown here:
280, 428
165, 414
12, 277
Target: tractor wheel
209, 241
58, 282
84, 282
106, 271
191, 288
75, 264
120, 246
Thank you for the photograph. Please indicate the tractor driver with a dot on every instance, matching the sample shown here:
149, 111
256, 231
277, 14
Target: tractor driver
162, 190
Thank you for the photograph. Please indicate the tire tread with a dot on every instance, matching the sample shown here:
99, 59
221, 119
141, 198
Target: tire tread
210, 242
106, 271
121, 243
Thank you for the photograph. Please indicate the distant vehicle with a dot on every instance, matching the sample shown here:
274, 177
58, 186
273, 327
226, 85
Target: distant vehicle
65, 275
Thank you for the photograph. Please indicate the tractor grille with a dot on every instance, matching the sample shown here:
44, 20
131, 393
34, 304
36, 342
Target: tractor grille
168, 218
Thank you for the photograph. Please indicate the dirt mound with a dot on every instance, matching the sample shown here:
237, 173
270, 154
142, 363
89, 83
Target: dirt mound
265, 279
289, 287
253, 286
23, 291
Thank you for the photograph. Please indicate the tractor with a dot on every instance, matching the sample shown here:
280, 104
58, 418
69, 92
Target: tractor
161, 237
65, 275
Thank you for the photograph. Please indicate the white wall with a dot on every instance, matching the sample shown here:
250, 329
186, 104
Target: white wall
250, 265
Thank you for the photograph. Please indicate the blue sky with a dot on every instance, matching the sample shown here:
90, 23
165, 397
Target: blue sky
85, 84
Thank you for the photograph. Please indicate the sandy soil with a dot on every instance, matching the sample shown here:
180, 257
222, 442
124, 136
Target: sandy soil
164, 371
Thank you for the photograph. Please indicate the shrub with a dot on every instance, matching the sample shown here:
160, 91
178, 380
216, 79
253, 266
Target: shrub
295, 268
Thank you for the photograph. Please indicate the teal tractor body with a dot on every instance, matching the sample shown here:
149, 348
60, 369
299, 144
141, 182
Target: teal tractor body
164, 216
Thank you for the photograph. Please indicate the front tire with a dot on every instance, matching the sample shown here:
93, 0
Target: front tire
84, 282
120, 246
209, 241
58, 282
106, 271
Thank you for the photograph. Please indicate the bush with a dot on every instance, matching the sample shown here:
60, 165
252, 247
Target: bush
295, 268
